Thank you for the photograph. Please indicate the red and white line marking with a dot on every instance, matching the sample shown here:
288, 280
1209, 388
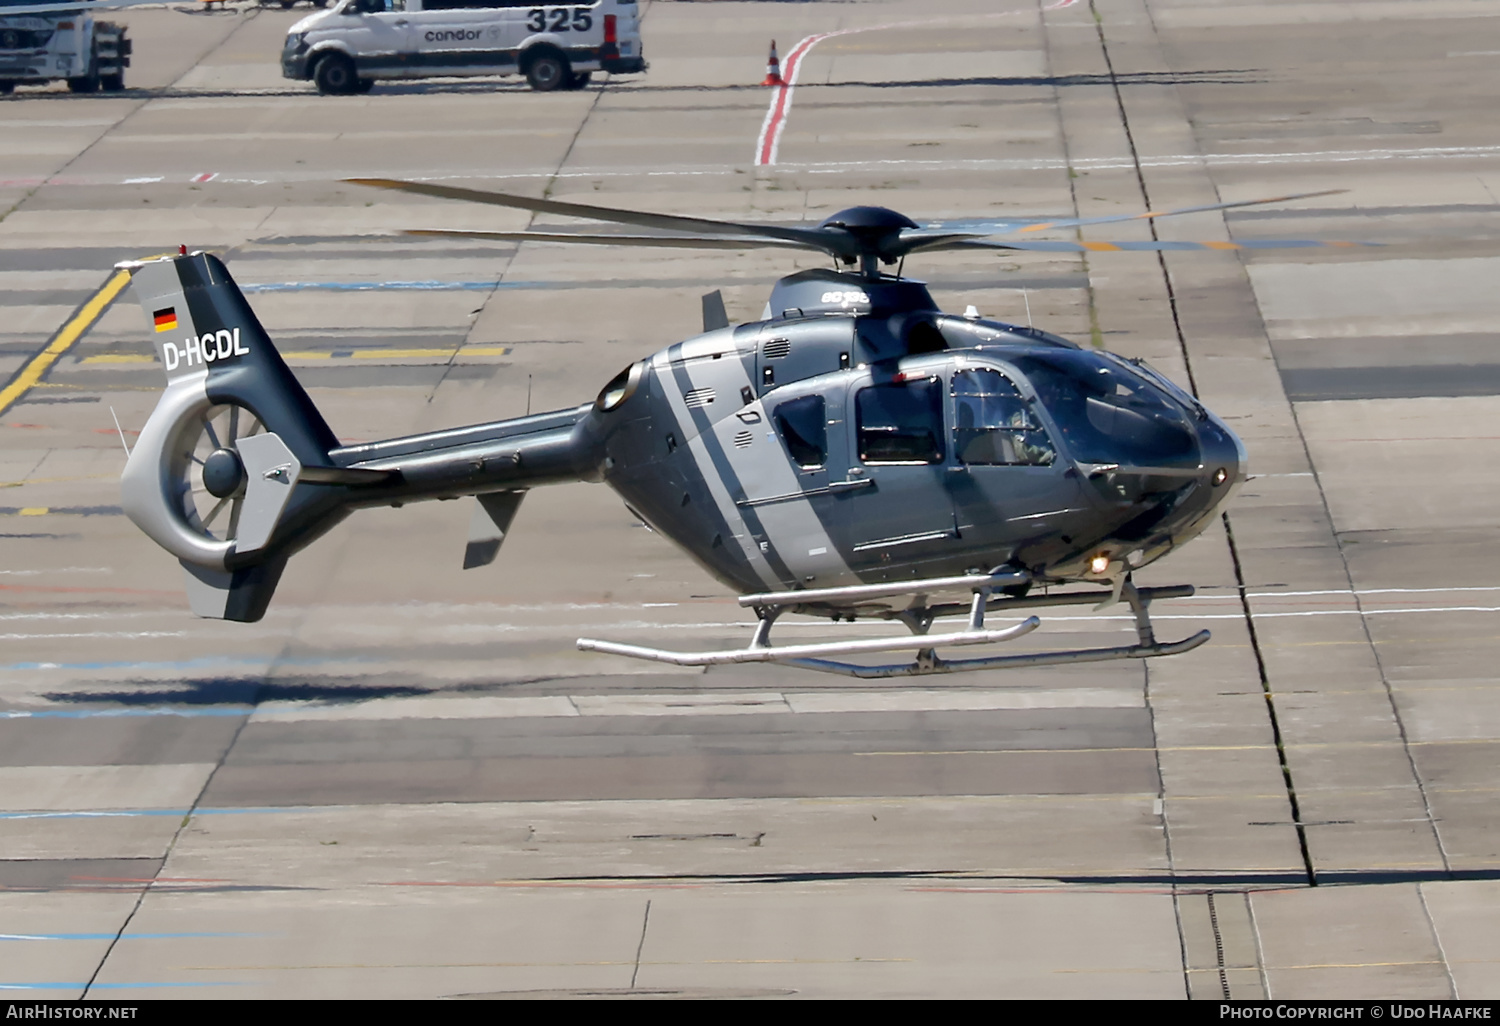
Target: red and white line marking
781, 103
769, 142
206, 176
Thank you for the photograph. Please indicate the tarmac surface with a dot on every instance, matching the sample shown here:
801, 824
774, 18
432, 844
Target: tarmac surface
406, 782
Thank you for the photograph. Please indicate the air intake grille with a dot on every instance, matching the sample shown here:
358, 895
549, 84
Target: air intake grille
699, 397
778, 348
742, 439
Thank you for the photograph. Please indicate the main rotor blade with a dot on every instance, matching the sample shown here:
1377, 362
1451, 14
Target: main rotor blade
667, 241
981, 227
1151, 214
1148, 245
814, 237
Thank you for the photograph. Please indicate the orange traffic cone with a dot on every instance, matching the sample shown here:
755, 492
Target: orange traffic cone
773, 69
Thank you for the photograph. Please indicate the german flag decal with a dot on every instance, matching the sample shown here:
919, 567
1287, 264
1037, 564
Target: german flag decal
166, 320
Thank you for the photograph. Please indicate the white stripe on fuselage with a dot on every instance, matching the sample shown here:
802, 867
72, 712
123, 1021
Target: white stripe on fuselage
792, 527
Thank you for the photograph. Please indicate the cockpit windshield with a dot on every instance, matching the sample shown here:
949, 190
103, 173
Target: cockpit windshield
1107, 413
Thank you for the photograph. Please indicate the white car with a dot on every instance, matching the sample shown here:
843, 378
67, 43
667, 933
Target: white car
347, 48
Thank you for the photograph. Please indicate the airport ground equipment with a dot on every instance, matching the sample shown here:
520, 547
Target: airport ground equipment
855, 453
41, 43
356, 43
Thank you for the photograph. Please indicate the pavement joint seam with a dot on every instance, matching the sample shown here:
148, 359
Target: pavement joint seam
1193, 386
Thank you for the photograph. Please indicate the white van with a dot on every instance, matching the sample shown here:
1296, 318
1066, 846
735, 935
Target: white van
348, 48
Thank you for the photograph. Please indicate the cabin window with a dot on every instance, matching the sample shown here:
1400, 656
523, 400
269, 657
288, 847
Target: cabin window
901, 422
804, 429
993, 425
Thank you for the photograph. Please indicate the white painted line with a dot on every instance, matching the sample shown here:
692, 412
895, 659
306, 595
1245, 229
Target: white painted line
717, 703
118, 635
723, 703
1122, 162
1365, 591
956, 700
59, 788
495, 707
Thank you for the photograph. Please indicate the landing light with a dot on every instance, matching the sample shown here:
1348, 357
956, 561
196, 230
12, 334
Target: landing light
1099, 564
1220, 476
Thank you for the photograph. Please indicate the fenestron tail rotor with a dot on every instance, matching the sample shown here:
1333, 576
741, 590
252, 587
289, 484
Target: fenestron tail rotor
207, 469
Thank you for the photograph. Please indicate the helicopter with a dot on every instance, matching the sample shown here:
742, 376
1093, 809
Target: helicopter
855, 453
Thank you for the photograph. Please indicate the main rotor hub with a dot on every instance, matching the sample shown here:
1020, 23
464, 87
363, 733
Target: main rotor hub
869, 220
872, 229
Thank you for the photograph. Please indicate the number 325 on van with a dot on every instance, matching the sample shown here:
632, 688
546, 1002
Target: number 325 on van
356, 43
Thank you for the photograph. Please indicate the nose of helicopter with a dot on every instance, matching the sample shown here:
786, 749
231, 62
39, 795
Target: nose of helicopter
1225, 461
1224, 464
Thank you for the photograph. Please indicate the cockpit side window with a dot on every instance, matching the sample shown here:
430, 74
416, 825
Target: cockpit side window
804, 428
993, 425
901, 422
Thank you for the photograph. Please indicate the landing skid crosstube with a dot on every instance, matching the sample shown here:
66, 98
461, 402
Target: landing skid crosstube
918, 617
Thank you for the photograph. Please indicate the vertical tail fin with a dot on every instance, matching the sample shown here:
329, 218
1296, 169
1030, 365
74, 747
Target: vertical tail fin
214, 477
203, 326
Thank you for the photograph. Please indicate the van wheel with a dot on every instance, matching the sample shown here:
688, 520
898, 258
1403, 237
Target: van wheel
580, 79
335, 76
6, 88
113, 82
547, 71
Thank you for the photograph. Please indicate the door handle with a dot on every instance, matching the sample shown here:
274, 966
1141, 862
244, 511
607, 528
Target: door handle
402, 23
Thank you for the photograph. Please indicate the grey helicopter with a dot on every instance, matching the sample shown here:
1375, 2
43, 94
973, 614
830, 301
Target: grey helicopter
856, 453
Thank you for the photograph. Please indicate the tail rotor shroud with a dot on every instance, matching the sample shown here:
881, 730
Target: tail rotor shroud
211, 473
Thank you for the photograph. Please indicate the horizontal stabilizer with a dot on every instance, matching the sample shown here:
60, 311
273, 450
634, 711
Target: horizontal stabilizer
488, 526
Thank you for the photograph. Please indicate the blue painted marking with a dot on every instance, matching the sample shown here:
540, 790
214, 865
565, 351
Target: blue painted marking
134, 986
83, 714
383, 286
400, 286
111, 936
179, 813
184, 664
80, 985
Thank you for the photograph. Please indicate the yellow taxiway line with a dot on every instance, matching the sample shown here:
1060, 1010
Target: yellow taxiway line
69, 333
357, 354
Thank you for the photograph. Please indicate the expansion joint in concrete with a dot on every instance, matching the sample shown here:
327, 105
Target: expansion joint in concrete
1140, 177
1270, 697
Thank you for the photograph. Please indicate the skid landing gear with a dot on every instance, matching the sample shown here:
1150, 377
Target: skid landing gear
918, 618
